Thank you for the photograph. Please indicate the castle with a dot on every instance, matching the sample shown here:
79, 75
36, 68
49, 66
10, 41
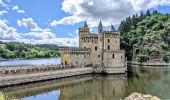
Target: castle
101, 50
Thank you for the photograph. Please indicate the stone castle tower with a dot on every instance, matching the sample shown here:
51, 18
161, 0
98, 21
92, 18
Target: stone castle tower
100, 49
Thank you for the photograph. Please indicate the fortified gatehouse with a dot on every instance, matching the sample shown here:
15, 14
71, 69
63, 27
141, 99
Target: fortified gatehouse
101, 50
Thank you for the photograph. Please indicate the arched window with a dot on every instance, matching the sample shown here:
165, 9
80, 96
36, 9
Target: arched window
108, 47
113, 56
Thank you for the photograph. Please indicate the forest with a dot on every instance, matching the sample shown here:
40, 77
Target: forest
146, 37
10, 50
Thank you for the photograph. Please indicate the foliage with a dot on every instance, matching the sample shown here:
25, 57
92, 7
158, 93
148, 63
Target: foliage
148, 34
27, 51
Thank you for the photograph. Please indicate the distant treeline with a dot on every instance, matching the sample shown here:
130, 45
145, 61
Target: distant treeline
147, 35
10, 50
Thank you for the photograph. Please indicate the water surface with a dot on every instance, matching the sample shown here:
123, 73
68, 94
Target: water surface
47, 61
155, 81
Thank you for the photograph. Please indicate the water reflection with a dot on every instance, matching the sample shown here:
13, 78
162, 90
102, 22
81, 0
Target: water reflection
152, 80
155, 81
79, 88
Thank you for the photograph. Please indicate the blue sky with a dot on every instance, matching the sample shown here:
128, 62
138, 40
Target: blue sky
57, 21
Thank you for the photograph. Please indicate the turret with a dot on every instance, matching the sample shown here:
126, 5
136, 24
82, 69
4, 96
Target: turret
100, 27
83, 31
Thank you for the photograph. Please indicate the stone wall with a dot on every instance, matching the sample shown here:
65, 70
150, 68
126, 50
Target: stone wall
34, 77
114, 59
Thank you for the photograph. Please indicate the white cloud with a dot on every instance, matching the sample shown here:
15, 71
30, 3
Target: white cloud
3, 12
27, 22
109, 11
2, 4
42, 35
8, 33
39, 35
16, 8
21, 11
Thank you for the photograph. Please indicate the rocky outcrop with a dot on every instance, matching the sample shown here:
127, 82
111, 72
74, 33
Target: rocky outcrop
138, 96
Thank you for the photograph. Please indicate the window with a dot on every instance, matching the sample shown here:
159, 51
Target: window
113, 56
100, 38
99, 56
85, 47
95, 47
108, 40
108, 47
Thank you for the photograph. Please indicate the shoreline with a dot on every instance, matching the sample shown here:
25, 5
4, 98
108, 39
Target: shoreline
161, 64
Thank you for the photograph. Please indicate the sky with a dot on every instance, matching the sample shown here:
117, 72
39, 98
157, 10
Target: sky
57, 21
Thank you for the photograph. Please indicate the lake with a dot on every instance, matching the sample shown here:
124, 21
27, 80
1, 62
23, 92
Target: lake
46, 61
155, 81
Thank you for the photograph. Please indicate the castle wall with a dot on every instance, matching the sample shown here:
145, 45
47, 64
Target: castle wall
78, 59
114, 59
92, 43
112, 40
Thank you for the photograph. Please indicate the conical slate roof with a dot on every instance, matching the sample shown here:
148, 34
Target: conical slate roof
112, 28
100, 24
85, 24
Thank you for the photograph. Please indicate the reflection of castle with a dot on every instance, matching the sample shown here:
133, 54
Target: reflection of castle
102, 49
100, 88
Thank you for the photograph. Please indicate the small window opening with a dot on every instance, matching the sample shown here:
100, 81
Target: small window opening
113, 56
108, 40
99, 56
108, 47
95, 47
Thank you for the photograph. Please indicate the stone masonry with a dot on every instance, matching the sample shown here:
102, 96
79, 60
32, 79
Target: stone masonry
98, 50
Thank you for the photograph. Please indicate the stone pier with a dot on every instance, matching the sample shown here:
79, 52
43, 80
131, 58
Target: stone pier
27, 74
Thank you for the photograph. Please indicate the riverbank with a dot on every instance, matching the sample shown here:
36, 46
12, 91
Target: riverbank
148, 63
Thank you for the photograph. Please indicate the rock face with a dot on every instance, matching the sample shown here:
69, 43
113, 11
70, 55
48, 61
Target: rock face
138, 96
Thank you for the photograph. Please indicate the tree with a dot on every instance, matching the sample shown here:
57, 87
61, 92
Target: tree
148, 13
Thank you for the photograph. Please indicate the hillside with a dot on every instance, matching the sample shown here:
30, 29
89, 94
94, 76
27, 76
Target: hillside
149, 35
27, 51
